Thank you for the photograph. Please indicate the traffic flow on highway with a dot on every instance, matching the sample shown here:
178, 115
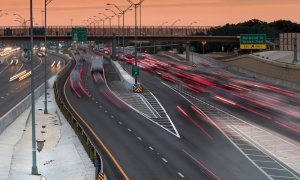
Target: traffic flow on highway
187, 121
15, 75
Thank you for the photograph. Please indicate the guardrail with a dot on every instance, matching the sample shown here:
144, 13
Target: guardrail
72, 118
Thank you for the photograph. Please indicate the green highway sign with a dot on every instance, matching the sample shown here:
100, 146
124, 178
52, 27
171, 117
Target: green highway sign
135, 71
79, 34
253, 41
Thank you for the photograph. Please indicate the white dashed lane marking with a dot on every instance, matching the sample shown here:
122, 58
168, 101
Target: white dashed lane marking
164, 160
180, 174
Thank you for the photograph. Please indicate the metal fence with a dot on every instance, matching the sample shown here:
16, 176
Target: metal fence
287, 41
108, 30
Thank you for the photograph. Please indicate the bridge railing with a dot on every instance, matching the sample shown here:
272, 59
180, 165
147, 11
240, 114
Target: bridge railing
108, 31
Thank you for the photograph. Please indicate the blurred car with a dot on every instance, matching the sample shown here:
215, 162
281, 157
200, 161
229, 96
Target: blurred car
41, 54
14, 60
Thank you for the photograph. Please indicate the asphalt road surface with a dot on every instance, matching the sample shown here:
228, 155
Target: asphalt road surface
144, 150
15, 91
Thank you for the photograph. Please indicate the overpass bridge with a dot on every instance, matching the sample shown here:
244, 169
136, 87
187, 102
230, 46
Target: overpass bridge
145, 33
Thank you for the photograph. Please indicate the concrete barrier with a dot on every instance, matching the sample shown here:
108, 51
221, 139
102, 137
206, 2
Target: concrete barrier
11, 115
127, 80
63, 56
275, 81
275, 62
171, 56
15, 112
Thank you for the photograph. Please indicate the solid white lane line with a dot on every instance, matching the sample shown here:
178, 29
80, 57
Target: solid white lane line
274, 168
284, 177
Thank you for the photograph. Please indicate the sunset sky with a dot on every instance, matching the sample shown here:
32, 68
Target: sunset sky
155, 12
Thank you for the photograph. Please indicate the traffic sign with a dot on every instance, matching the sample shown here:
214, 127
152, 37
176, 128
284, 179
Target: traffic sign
79, 34
253, 41
135, 71
138, 89
253, 46
101, 176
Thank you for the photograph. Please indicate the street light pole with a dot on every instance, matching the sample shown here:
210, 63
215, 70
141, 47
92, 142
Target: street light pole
194, 22
118, 22
45, 44
123, 28
34, 169
135, 41
175, 22
109, 18
140, 17
135, 38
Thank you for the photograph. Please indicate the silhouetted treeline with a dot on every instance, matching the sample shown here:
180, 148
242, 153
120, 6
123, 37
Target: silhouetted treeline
254, 26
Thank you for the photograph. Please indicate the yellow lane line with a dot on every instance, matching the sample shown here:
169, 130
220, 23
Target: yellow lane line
94, 134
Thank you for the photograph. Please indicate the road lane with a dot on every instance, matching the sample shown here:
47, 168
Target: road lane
145, 151
13, 92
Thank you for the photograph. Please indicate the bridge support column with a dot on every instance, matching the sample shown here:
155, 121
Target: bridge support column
187, 51
295, 60
114, 47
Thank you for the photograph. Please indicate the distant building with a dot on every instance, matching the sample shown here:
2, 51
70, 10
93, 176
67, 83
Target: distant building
286, 41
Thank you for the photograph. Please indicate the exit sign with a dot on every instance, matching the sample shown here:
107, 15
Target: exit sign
79, 34
253, 41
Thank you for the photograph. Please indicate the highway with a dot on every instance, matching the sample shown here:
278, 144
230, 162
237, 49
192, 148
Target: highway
13, 92
144, 150
272, 107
